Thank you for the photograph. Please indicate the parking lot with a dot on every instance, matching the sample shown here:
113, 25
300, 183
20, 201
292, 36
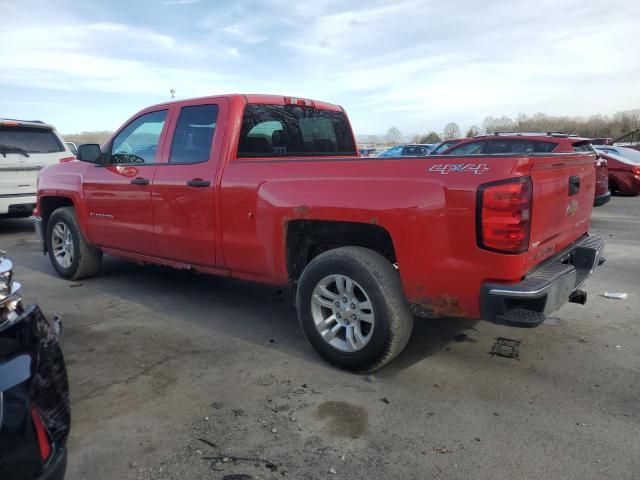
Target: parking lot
180, 375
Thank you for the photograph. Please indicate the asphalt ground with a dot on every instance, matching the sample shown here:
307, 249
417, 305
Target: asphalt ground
179, 375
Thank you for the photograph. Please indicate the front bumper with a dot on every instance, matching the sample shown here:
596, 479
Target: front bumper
56, 468
17, 204
545, 289
602, 199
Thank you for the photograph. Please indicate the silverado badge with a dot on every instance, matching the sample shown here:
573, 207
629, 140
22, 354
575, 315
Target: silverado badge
572, 207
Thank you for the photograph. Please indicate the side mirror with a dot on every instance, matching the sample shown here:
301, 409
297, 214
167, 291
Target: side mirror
88, 152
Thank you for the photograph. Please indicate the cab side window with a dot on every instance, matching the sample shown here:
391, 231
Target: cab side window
193, 134
138, 141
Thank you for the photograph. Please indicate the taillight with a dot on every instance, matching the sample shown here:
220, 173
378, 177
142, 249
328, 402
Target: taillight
504, 215
67, 159
636, 170
298, 101
43, 439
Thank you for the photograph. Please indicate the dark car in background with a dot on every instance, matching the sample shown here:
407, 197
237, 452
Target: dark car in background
601, 141
623, 168
34, 390
413, 150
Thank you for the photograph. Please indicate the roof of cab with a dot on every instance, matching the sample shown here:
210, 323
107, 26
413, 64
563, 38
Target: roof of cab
261, 99
12, 122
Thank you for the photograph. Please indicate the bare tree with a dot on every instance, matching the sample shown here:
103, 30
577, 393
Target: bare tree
594, 126
431, 137
372, 140
451, 130
473, 131
394, 135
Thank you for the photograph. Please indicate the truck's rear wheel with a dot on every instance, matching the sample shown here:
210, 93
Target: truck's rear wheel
352, 309
70, 254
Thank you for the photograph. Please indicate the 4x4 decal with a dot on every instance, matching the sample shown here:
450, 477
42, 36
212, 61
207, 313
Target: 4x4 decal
475, 168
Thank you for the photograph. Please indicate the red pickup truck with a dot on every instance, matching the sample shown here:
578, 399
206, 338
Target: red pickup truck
272, 189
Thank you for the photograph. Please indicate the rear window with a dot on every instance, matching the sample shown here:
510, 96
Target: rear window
30, 139
293, 130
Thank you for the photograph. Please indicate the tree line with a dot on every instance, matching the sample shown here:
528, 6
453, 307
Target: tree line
595, 126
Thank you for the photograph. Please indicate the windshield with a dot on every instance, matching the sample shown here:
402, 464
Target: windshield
30, 139
443, 146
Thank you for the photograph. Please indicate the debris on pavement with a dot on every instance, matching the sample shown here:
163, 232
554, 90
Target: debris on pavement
266, 380
616, 296
441, 450
463, 337
332, 471
207, 442
506, 347
256, 460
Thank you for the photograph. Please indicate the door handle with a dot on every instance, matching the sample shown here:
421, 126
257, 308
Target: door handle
198, 182
140, 181
574, 184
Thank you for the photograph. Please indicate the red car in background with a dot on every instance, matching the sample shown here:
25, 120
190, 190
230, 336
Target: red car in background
624, 168
505, 143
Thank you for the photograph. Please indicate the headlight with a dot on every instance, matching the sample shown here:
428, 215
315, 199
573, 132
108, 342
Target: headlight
6, 276
10, 302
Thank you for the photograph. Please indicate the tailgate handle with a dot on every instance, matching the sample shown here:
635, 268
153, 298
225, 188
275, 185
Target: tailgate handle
574, 184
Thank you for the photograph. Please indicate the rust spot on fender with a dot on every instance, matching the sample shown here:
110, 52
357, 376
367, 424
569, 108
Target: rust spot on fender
443, 305
373, 220
302, 210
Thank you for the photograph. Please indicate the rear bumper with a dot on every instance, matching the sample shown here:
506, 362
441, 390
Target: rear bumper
17, 204
602, 199
545, 289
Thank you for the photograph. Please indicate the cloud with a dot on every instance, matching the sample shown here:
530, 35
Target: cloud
180, 2
416, 64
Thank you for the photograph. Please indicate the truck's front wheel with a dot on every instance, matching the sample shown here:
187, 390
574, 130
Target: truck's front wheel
352, 308
69, 252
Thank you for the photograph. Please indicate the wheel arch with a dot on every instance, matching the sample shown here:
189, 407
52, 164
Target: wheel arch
47, 204
306, 239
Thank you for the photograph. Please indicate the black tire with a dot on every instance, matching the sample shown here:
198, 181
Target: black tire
86, 259
380, 280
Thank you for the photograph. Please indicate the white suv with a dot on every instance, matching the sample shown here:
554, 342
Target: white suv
26, 147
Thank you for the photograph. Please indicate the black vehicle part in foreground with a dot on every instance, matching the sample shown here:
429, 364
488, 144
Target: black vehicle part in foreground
34, 390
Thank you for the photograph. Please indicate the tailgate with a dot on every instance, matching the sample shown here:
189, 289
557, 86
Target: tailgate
18, 173
563, 192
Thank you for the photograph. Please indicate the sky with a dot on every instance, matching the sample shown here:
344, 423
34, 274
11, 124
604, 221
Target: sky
89, 65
